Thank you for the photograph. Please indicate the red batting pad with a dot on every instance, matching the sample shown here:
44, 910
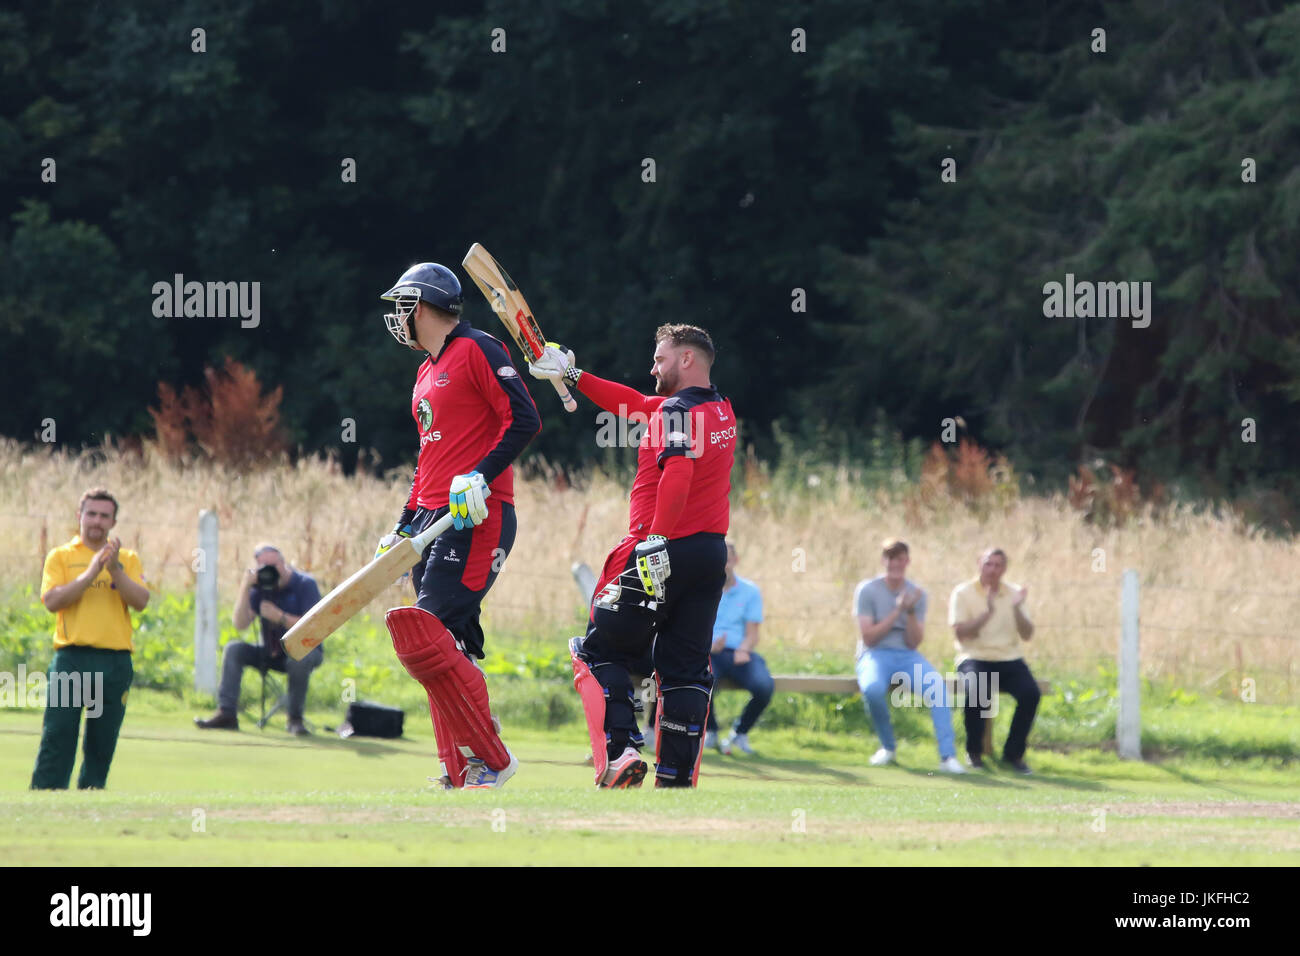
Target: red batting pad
457, 689
452, 759
593, 705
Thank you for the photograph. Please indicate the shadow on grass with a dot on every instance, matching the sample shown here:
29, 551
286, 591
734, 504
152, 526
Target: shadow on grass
1006, 779
362, 746
761, 768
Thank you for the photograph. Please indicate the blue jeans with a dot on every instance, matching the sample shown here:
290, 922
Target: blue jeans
878, 667
751, 676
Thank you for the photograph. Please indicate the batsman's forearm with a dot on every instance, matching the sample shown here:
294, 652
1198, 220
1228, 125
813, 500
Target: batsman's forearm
412, 503
674, 486
514, 439
616, 398
520, 423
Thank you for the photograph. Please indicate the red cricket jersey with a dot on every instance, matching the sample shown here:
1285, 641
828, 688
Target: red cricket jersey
473, 413
697, 423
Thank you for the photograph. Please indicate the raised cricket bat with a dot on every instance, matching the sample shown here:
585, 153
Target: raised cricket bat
508, 303
333, 610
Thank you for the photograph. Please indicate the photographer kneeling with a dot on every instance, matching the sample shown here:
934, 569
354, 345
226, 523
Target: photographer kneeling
279, 594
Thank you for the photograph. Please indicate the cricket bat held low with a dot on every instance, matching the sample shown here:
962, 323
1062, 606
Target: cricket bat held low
508, 303
337, 607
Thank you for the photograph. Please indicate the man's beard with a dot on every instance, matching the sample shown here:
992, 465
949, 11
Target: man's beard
666, 384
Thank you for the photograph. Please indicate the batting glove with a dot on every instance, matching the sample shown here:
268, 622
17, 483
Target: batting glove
468, 500
555, 363
652, 565
397, 534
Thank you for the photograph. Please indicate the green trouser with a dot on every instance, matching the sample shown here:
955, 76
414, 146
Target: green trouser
94, 679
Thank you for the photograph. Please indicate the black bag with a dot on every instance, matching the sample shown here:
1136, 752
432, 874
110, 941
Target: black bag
365, 719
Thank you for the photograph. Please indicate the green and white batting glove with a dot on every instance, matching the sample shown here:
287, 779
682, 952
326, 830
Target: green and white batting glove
556, 364
394, 536
652, 565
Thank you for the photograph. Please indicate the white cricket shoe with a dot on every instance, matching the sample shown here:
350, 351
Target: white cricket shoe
951, 765
711, 740
881, 757
625, 770
478, 776
740, 742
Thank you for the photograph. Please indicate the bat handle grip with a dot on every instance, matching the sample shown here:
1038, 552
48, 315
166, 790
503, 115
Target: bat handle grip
569, 404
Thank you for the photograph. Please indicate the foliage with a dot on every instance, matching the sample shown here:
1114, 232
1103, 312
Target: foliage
531, 686
231, 420
1126, 166
779, 175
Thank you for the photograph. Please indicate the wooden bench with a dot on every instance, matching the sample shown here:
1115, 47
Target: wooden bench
787, 683
823, 684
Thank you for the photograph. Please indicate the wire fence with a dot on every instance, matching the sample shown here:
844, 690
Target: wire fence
1185, 639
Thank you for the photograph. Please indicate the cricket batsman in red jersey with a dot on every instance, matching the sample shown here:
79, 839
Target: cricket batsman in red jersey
474, 416
660, 587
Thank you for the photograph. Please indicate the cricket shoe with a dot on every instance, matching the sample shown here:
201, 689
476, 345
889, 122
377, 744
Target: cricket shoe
478, 776
881, 757
721, 745
626, 770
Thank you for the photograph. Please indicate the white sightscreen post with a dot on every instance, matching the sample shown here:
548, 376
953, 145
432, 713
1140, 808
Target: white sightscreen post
586, 581
205, 605
1128, 731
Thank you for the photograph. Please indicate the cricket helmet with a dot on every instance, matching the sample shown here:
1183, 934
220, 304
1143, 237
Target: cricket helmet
425, 281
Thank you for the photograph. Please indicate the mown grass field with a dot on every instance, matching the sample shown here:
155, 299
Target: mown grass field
1219, 715
180, 796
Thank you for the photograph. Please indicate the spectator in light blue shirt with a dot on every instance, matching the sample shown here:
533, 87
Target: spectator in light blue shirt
735, 634
890, 612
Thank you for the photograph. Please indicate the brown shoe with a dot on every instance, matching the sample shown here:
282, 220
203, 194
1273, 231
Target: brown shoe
221, 720
296, 729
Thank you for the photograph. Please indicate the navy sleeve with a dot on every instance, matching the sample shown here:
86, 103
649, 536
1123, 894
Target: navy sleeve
675, 424
411, 504
506, 390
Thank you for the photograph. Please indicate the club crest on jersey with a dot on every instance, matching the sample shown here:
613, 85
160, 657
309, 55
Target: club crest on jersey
424, 412
442, 380
507, 371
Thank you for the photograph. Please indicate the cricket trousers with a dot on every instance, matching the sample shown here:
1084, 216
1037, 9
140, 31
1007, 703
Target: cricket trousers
1015, 678
238, 655
456, 572
679, 649
93, 679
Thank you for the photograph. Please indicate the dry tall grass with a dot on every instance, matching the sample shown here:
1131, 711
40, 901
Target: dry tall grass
1217, 598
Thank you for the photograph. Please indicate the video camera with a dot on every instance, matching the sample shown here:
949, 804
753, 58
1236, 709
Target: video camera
268, 578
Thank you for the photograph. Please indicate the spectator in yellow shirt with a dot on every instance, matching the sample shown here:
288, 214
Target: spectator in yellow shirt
90, 584
989, 623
